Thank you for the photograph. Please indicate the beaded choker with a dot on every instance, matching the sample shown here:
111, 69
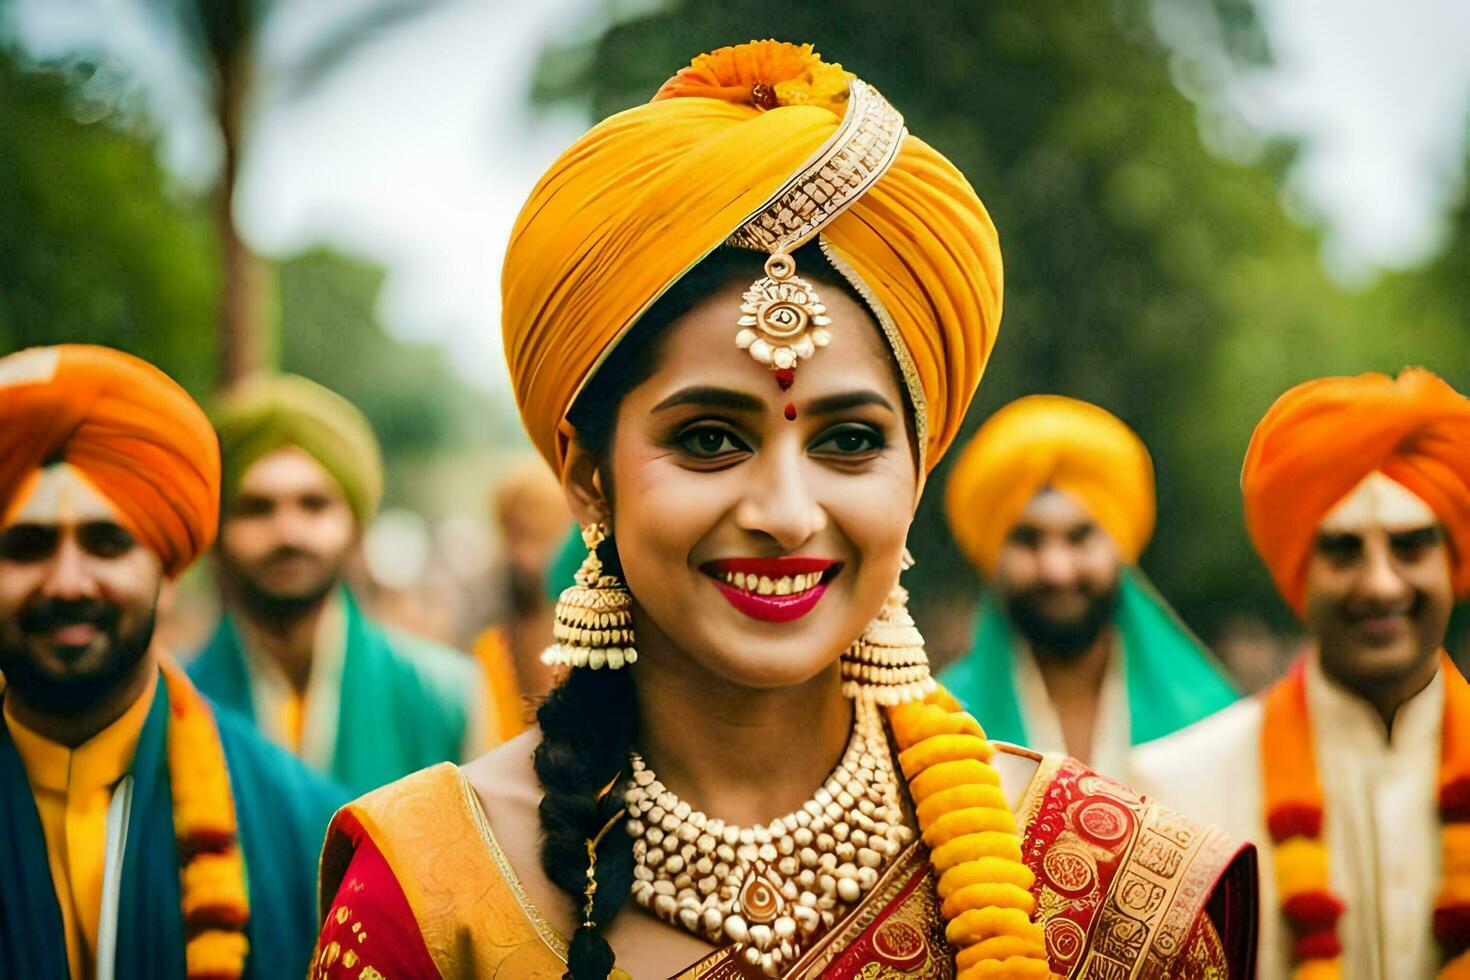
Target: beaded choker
772, 887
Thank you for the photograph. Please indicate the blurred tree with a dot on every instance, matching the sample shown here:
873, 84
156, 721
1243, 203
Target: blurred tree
1143, 272
221, 35
96, 243
417, 403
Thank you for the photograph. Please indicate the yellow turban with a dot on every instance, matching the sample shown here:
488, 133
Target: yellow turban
646, 194
1050, 441
135, 434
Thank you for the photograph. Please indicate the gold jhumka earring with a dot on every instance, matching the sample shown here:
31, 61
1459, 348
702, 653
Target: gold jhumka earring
887, 664
594, 618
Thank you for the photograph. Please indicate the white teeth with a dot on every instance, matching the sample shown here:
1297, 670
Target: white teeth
762, 585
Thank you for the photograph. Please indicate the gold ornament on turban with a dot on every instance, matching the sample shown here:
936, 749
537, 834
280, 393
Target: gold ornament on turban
761, 146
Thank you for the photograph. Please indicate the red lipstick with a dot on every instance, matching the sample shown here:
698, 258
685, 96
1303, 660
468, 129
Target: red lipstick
754, 585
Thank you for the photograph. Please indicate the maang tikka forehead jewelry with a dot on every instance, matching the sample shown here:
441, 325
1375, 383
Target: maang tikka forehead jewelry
783, 320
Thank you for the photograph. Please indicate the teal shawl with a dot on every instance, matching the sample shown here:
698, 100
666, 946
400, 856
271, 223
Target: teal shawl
1172, 680
282, 810
404, 703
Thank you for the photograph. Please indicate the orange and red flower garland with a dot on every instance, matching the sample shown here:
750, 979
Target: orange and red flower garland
216, 904
1295, 812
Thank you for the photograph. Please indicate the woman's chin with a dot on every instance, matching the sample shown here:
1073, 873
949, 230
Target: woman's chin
763, 664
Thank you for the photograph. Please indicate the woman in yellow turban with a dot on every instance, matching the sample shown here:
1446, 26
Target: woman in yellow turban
743, 321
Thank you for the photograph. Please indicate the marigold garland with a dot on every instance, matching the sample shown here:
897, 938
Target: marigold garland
1295, 813
216, 904
984, 886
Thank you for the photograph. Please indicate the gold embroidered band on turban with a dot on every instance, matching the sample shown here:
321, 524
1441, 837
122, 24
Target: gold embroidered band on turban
1050, 441
761, 145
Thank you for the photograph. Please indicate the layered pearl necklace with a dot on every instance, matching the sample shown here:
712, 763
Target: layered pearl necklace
776, 886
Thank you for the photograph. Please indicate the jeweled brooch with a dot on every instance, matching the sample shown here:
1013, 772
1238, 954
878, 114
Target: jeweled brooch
783, 320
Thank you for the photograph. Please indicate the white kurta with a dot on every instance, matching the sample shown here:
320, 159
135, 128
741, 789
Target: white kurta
1111, 731
1381, 821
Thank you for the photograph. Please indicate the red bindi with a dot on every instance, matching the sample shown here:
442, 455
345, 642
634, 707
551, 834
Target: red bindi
785, 377
790, 412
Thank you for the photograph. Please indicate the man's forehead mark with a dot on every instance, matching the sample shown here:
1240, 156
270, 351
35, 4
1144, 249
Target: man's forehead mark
1378, 501
29, 367
62, 494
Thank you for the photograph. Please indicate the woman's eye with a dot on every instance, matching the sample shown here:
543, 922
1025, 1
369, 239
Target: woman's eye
850, 440
709, 441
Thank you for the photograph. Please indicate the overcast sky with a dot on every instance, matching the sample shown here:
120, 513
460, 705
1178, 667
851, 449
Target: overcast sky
419, 151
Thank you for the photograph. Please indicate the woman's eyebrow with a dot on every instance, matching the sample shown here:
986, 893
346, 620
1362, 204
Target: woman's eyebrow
711, 397
841, 402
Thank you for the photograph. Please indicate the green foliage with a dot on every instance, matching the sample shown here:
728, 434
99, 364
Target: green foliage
1142, 273
96, 244
411, 394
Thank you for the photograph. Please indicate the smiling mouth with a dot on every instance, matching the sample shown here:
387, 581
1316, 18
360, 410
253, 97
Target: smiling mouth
773, 590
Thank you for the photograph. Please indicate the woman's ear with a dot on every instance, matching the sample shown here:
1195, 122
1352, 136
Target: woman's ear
581, 481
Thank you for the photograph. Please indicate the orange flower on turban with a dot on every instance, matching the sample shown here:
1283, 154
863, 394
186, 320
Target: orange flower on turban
1050, 441
646, 194
134, 433
1322, 438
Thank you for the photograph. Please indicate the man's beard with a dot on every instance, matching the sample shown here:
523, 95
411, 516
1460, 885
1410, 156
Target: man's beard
1062, 639
526, 590
263, 605
80, 693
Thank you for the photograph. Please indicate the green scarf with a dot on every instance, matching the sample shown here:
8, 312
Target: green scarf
404, 702
1172, 679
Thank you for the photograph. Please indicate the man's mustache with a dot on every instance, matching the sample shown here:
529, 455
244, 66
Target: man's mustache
48, 615
289, 552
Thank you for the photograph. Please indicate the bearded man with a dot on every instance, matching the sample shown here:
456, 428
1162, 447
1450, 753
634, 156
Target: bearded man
1074, 651
295, 653
142, 835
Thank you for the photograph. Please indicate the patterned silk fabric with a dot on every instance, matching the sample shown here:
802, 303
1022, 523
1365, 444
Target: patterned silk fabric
1125, 889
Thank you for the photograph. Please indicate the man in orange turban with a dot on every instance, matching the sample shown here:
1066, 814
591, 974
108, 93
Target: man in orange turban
1053, 501
1352, 774
131, 817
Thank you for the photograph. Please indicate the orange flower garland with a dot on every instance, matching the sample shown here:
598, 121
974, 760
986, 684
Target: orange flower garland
967, 822
1294, 815
216, 903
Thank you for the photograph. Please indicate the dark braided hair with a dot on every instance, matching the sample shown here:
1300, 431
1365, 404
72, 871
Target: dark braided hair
589, 722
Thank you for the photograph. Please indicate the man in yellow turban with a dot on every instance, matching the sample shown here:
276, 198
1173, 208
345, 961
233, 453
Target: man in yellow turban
142, 835
1352, 774
302, 478
746, 458
1053, 501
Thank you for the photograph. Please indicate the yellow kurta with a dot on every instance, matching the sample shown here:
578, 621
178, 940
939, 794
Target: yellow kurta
73, 789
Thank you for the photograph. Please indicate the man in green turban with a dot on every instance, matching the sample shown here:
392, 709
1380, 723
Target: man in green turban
302, 478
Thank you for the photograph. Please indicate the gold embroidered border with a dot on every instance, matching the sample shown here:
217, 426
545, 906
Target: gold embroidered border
544, 929
1162, 882
853, 159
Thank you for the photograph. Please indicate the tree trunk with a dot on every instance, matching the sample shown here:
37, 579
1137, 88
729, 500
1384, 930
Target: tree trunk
245, 341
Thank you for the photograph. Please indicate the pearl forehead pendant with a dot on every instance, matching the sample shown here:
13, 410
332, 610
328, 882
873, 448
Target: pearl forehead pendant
770, 888
782, 319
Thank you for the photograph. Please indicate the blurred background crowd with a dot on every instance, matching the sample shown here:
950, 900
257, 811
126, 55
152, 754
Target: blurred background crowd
1201, 203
